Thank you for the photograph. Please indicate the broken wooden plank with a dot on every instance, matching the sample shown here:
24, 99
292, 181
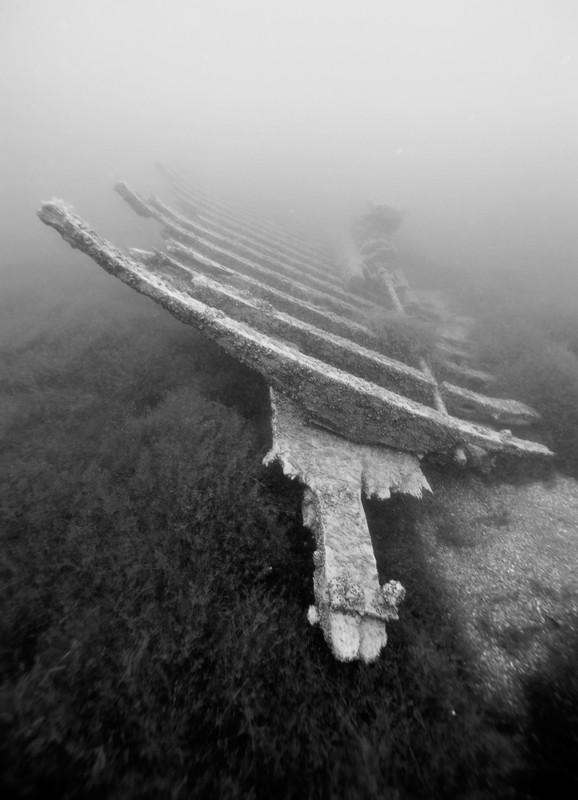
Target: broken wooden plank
465, 403
453, 352
345, 404
220, 236
335, 350
351, 607
472, 378
259, 231
272, 228
188, 236
300, 309
219, 264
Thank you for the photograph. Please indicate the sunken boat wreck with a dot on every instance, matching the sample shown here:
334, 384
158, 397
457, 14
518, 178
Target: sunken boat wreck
349, 417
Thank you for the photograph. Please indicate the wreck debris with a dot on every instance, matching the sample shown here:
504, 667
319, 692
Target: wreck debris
350, 605
193, 234
347, 417
381, 268
472, 405
350, 406
378, 223
261, 231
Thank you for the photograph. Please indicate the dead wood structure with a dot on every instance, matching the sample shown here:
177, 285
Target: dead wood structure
347, 417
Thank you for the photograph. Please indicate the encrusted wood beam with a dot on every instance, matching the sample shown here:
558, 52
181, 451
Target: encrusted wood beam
349, 406
453, 352
217, 234
257, 229
472, 405
224, 265
191, 235
273, 229
351, 607
472, 378
335, 350
282, 301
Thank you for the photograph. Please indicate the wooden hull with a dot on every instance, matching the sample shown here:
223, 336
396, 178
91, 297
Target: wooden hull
343, 403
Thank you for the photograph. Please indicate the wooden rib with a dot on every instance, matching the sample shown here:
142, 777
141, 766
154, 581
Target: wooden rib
343, 403
474, 378
177, 231
453, 353
266, 278
335, 350
326, 320
465, 403
220, 235
258, 234
259, 222
257, 228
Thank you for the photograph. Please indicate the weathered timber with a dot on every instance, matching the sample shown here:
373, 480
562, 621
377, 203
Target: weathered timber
283, 252
342, 403
233, 227
189, 235
301, 310
465, 403
350, 605
259, 232
268, 228
282, 276
472, 378
453, 352
299, 286
222, 265
380, 268
243, 245
335, 350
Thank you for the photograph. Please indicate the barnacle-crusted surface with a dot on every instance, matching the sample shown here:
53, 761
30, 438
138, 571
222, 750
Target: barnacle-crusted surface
346, 404
466, 403
347, 417
351, 606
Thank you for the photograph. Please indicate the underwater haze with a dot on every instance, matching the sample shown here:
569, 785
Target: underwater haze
155, 578
463, 113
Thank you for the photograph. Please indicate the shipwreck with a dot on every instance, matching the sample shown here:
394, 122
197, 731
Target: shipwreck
349, 417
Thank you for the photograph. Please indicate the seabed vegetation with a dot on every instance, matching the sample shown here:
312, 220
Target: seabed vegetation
155, 581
